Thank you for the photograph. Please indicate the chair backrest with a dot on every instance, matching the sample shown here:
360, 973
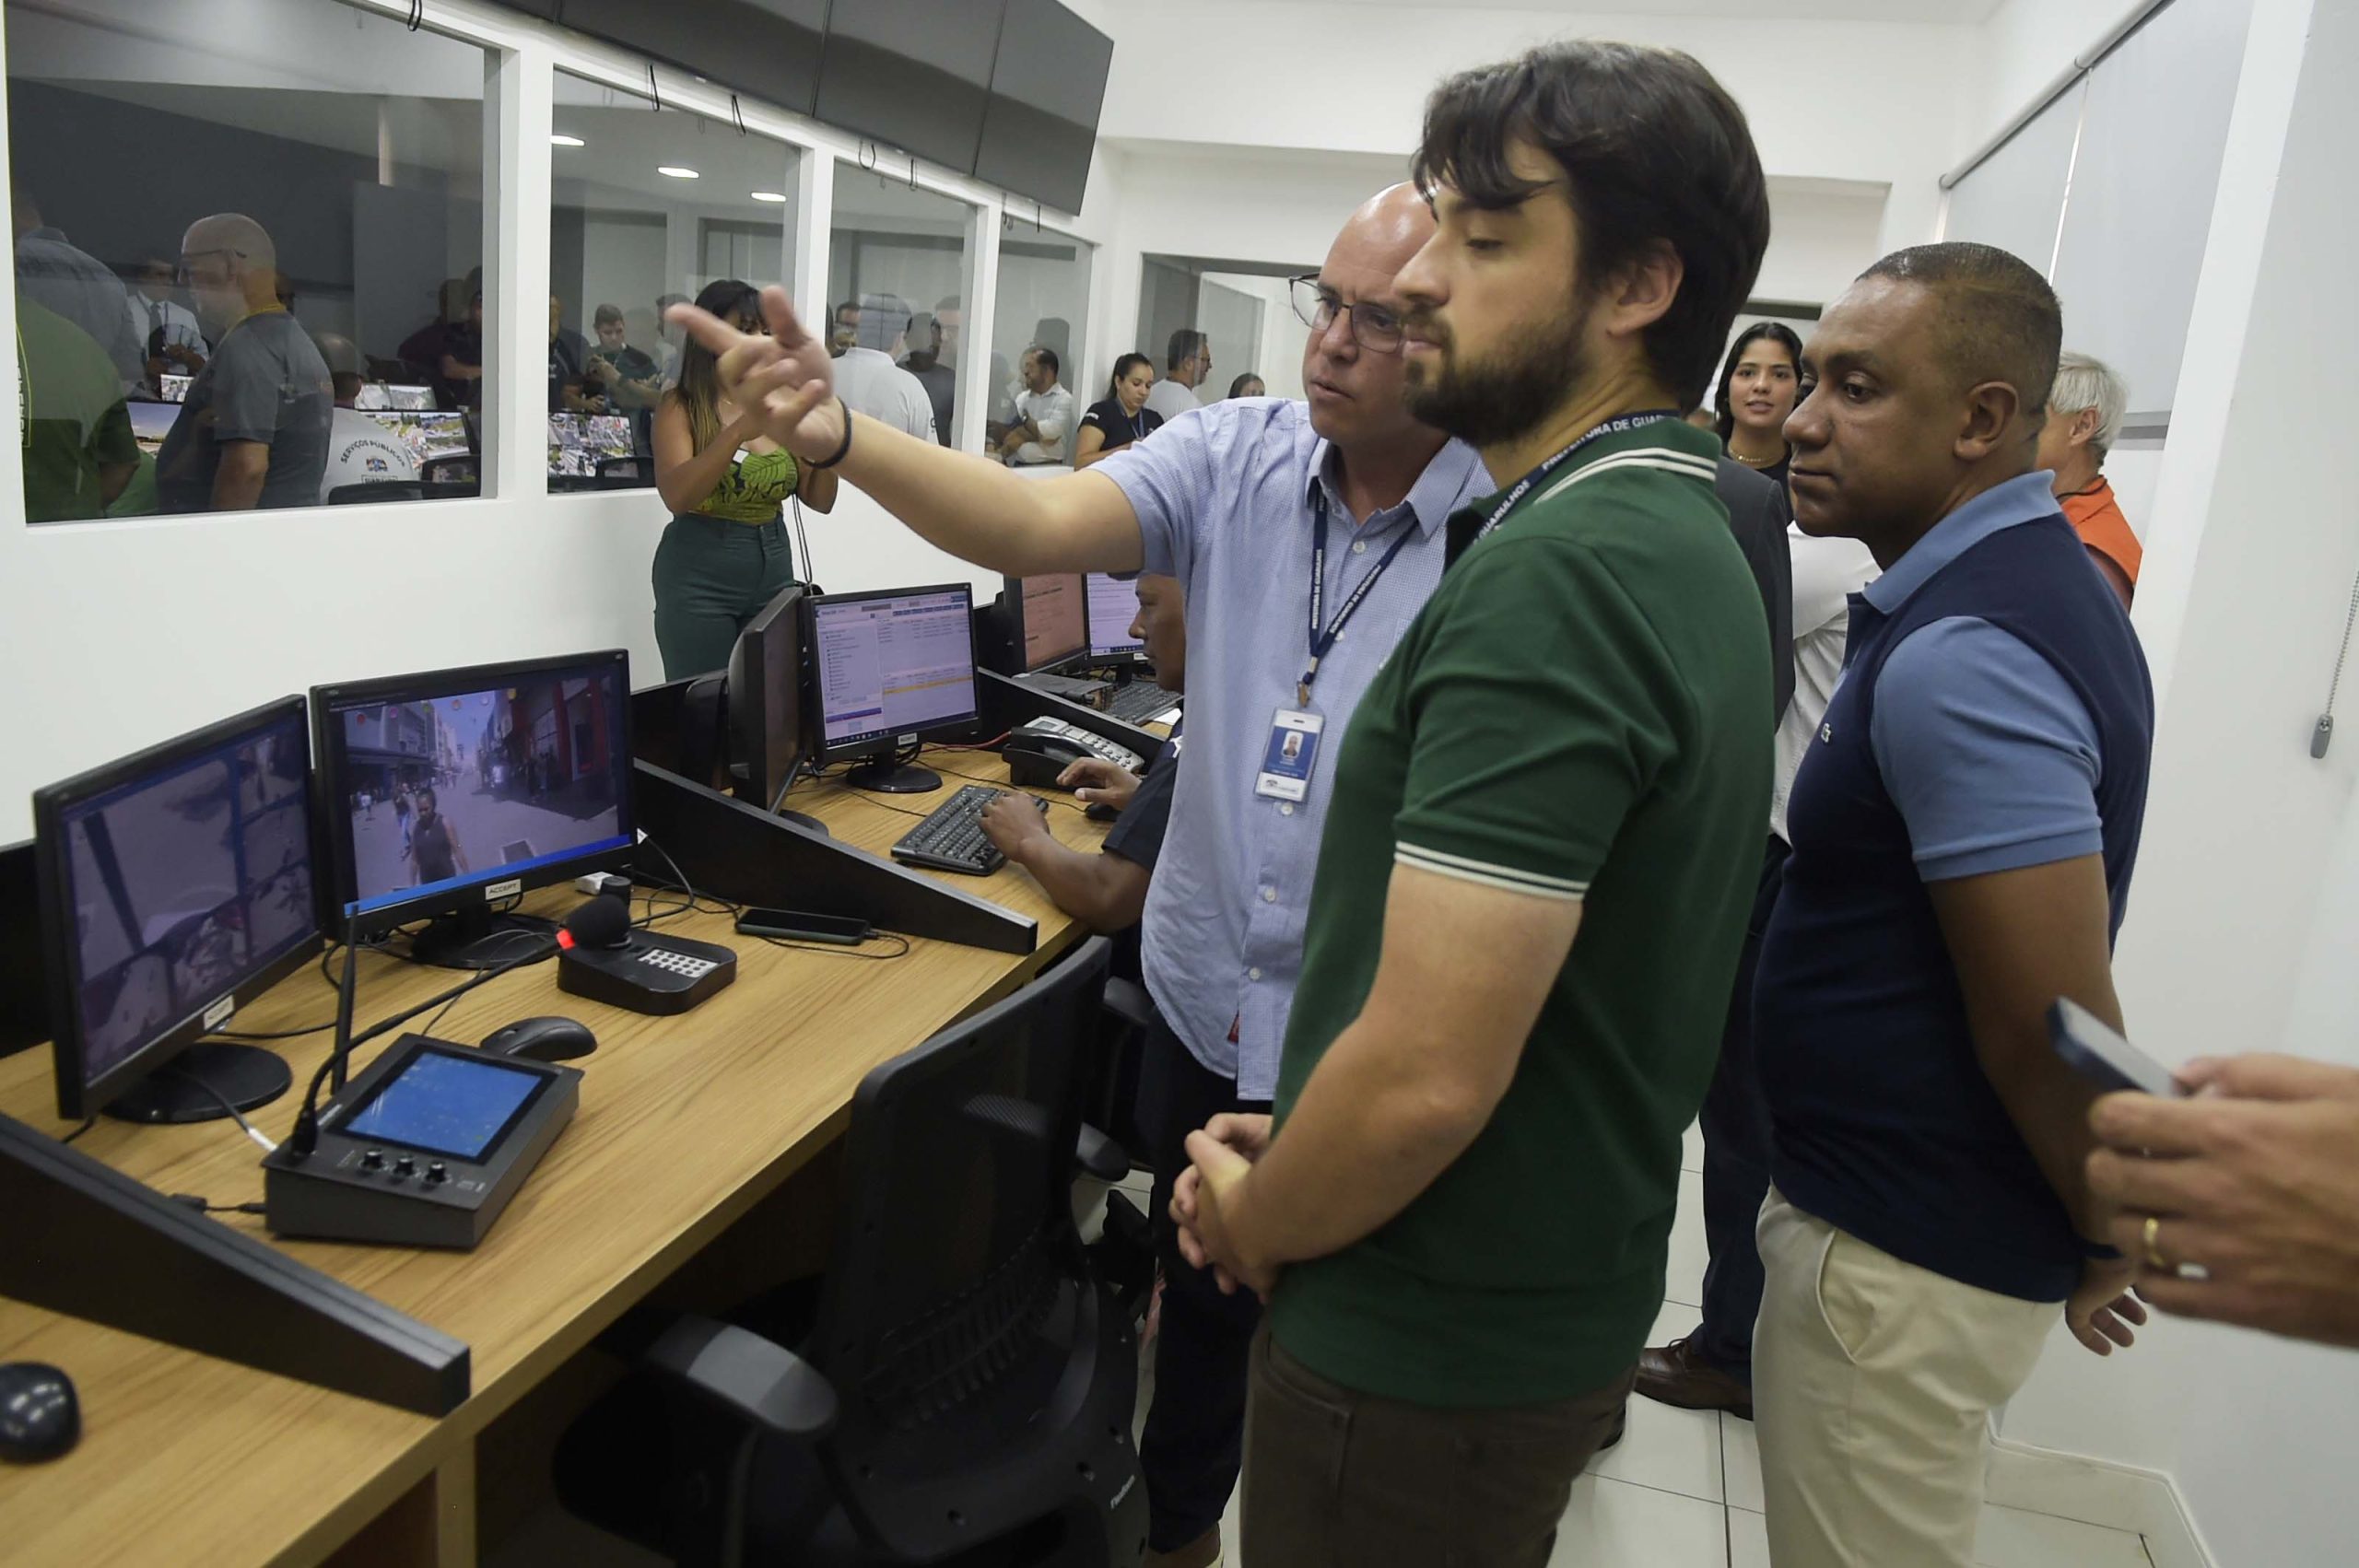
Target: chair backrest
959, 1321
376, 492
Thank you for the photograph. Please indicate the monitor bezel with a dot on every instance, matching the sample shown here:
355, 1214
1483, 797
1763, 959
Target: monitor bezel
1013, 592
784, 606
815, 711
1093, 659
79, 1097
426, 686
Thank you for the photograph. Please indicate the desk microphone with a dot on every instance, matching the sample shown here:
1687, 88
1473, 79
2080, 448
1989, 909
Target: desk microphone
603, 922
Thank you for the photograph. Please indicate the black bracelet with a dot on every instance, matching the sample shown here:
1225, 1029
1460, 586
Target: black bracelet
844, 451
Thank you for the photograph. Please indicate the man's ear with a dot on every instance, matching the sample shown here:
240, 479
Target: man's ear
2085, 425
1644, 291
1991, 411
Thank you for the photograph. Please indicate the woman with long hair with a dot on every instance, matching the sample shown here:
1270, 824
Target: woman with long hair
725, 554
1760, 385
1123, 416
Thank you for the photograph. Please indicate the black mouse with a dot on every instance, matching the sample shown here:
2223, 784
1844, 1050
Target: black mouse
40, 1417
1098, 810
543, 1039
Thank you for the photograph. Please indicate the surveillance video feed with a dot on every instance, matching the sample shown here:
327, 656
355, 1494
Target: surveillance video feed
578, 441
185, 884
443, 791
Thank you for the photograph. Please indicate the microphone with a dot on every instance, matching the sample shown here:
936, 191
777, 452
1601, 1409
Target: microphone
602, 923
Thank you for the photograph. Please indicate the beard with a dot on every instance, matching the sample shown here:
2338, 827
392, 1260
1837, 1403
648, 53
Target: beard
1495, 401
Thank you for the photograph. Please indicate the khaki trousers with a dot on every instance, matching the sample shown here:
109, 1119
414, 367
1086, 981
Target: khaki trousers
1872, 1386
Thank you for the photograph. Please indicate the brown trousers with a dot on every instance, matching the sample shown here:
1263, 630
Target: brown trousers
1336, 1479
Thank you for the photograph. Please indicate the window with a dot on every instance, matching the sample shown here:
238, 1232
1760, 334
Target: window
1240, 324
646, 207
1043, 303
896, 287
246, 270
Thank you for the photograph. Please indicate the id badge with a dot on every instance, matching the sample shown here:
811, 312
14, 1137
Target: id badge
1293, 752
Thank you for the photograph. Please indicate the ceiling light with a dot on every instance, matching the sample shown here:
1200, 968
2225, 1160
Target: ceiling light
767, 196
560, 139
676, 171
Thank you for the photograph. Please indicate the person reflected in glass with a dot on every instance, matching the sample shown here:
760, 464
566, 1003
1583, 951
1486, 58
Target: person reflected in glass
927, 362
71, 283
725, 554
570, 388
167, 328
79, 451
1042, 430
1248, 385
1121, 417
253, 431
1188, 364
1760, 383
627, 378
846, 328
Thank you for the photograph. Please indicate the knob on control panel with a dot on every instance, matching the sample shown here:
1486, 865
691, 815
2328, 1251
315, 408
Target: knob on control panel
372, 1160
436, 1173
405, 1166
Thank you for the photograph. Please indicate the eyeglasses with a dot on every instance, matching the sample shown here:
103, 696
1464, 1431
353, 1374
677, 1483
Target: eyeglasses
1374, 327
181, 275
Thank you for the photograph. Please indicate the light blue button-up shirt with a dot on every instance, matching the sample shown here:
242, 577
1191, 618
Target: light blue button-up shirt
1224, 497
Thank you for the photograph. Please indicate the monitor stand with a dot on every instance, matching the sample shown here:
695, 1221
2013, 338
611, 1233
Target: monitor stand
477, 938
813, 823
245, 1076
886, 777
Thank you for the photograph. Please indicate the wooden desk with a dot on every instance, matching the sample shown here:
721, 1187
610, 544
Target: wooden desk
686, 1123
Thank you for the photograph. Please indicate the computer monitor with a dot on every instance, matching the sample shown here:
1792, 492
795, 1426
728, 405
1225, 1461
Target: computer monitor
577, 441
1052, 618
765, 701
173, 388
427, 435
176, 887
890, 668
375, 397
1113, 605
445, 794
150, 422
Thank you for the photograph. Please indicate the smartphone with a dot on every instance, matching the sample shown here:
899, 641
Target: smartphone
801, 925
2090, 1048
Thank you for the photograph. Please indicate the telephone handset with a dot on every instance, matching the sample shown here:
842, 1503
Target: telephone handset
1037, 751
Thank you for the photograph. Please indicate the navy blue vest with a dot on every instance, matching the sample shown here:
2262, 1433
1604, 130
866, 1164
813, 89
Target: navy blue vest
1887, 1126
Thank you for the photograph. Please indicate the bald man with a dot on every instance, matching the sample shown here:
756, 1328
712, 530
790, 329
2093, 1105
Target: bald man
254, 430
1235, 500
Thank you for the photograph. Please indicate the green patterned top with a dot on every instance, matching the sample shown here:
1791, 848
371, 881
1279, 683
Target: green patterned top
754, 490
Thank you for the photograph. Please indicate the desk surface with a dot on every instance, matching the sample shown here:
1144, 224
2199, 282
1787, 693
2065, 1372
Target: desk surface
685, 1124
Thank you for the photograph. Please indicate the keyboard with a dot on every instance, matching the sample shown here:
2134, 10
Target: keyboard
1139, 701
951, 838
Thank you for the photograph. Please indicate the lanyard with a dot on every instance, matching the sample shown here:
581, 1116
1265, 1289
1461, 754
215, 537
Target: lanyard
1616, 426
1321, 642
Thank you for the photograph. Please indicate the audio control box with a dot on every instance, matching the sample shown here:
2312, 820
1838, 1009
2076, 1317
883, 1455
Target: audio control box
425, 1147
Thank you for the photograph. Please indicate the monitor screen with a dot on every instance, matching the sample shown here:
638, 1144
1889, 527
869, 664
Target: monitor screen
444, 1103
377, 396
578, 441
1113, 605
426, 435
1056, 618
174, 388
893, 664
1048, 86
438, 785
150, 422
183, 877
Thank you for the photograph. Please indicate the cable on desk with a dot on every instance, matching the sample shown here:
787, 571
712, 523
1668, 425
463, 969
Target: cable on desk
203, 1206
831, 950
273, 1034
87, 1122
193, 1082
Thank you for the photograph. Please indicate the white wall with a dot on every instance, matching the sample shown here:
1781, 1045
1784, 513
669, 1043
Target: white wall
2244, 914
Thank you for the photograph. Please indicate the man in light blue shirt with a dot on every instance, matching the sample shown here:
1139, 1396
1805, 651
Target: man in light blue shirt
1228, 500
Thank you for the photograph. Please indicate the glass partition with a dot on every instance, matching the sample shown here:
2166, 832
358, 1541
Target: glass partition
1041, 314
896, 280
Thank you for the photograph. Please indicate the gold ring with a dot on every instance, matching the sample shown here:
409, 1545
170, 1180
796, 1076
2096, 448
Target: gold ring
2154, 1244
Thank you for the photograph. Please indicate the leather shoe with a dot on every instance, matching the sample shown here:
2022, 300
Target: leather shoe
1677, 1374
1201, 1552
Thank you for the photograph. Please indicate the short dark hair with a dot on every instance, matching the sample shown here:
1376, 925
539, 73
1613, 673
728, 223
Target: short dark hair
605, 313
1999, 320
1048, 357
1653, 150
1185, 343
852, 305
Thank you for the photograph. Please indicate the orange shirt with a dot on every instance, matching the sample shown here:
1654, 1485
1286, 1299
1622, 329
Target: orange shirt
2102, 527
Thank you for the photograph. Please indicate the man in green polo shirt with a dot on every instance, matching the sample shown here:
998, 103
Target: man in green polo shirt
1540, 856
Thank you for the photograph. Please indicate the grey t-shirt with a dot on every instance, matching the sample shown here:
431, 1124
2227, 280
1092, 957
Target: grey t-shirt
265, 383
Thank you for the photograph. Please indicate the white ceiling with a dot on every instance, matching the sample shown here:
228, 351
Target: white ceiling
1969, 12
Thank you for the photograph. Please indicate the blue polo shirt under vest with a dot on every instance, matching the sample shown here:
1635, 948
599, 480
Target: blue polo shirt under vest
1994, 714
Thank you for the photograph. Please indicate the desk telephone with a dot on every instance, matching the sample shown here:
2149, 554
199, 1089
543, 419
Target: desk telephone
1039, 750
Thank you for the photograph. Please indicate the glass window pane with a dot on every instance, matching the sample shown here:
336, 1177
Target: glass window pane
249, 235
897, 275
646, 208
1043, 303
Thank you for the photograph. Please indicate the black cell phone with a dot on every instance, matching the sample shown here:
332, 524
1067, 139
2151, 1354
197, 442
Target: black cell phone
801, 925
2090, 1048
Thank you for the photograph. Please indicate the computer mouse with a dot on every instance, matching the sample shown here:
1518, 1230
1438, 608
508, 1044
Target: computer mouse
40, 1417
541, 1040
1098, 810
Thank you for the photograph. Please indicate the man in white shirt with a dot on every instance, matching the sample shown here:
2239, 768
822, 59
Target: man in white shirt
1185, 368
1043, 414
869, 380
167, 329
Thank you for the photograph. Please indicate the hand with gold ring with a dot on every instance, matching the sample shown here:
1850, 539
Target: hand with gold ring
2256, 1177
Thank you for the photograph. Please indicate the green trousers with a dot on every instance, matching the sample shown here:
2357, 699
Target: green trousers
711, 576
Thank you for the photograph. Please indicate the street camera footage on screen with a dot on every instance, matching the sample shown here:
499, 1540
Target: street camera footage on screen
184, 885
444, 792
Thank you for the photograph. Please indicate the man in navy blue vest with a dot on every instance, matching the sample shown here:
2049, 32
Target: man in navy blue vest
1963, 832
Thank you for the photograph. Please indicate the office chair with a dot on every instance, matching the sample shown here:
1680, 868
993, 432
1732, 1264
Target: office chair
377, 492
960, 1388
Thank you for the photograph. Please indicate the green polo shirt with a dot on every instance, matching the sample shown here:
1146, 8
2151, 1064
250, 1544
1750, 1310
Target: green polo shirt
1576, 714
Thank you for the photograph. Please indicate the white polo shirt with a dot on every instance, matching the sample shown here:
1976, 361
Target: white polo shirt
870, 383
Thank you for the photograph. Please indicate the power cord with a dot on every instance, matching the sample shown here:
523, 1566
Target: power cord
193, 1082
829, 950
205, 1205
87, 1123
